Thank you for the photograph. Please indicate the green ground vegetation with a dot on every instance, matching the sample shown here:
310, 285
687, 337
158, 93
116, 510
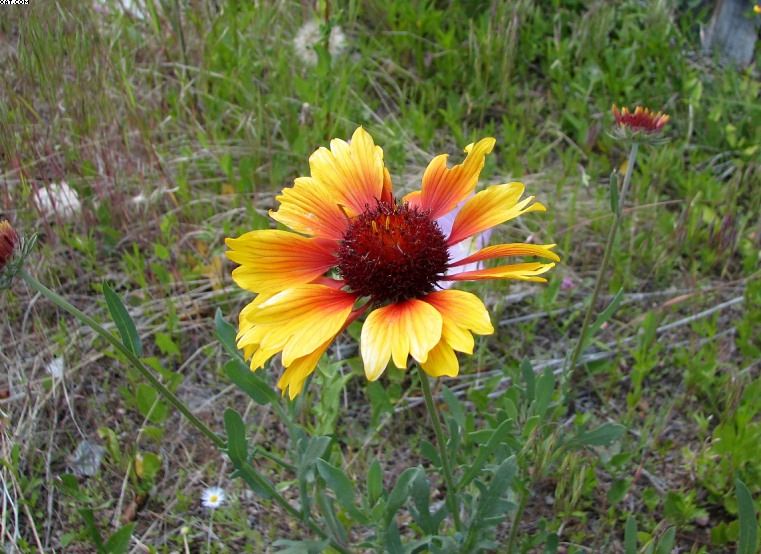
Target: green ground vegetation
176, 124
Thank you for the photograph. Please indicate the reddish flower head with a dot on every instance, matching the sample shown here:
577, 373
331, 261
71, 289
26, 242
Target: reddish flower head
8, 243
639, 122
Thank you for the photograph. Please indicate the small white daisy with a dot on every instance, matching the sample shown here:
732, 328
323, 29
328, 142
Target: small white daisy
213, 497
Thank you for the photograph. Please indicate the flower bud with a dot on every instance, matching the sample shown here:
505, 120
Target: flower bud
8, 243
641, 124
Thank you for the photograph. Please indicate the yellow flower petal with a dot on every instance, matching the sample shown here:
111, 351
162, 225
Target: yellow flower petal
463, 313
302, 318
310, 208
464, 308
250, 336
490, 207
272, 260
296, 374
353, 172
443, 188
442, 361
521, 272
503, 250
411, 327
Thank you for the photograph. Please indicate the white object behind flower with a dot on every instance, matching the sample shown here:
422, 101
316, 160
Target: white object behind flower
308, 36
461, 249
55, 199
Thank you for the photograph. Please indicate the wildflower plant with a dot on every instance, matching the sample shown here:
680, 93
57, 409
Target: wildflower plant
641, 126
213, 497
13, 250
356, 253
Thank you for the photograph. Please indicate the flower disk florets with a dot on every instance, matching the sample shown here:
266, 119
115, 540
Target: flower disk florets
392, 253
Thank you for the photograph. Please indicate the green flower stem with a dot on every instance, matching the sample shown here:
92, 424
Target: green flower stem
606, 257
220, 443
441, 440
517, 520
134, 360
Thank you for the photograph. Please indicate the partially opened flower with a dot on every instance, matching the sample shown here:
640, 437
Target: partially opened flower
9, 246
641, 123
355, 249
8, 242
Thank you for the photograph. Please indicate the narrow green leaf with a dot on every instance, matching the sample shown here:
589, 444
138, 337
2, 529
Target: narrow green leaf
330, 518
420, 492
68, 484
666, 544
602, 435
421, 511
454, 405
237, 445
545, 386
552, 544
252, 482
249, 382
400, 492
119, 542
314, 448
430, 452
375, 481
123, 321
500, 434
340, 484
225, 334
748, 538
491, 506
614, 207
630, 535
92, 528
166, 344
150, 404
618, 491
393, 539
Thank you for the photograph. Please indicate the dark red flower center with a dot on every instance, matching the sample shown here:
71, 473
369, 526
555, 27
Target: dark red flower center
392, 253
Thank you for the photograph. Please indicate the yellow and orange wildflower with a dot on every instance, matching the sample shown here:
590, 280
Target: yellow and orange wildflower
355, 249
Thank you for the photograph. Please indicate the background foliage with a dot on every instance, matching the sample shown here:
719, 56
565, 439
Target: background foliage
176, 124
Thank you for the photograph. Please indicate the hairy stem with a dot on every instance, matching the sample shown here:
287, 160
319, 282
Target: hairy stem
454, 507
605, 260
